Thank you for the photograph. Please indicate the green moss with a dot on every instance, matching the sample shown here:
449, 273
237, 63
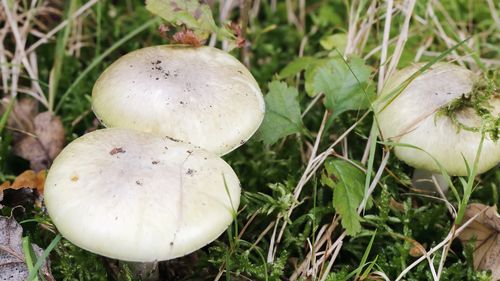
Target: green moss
483, 92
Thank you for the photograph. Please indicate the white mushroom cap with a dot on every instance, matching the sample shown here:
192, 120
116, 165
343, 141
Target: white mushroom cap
138, 197
202, 96
412, 118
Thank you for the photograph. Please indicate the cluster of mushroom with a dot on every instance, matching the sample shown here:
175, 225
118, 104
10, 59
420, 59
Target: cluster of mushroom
443, 112
152, 186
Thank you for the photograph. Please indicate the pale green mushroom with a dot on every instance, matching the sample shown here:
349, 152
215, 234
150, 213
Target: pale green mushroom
422, 116
202, 96
138, 197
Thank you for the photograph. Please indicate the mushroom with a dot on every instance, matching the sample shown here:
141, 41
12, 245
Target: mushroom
441, 112
138, 197
201, 96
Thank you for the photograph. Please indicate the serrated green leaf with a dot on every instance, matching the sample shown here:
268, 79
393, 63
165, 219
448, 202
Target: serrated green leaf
348, 188
309, 77
338, 41
345, 87
191, 13
296, 66
282, 113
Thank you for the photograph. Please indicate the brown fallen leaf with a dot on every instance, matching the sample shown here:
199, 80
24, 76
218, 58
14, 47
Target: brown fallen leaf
38, 137
485, 231
23, 113
30, 179
396, 205
50, 133
417, 249
43, 144
31, 149
20, 192
12, 262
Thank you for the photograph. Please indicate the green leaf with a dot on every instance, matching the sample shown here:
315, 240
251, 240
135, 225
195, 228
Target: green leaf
310, 65
191, 13
282, 113
296, 66
348, 188
338, 41
344, 86
310, 74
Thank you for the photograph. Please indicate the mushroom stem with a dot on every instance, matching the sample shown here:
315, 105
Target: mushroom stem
429, 181
145, 271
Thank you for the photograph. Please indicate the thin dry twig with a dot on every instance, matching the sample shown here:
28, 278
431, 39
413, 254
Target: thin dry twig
451, 235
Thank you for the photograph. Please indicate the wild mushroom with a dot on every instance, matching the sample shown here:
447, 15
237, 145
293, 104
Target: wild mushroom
442, 112
138, 197
201, 96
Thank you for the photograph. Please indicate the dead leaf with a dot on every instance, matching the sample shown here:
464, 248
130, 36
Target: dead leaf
50, 133
163, 30
20, 192
187, 37
238, 31
12, 263
23, 113
485, 231
38, 137
29, 148
2, 187
45, 143
20, 197
396, 205
417, 250
30, 179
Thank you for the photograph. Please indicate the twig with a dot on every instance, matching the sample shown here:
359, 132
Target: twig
311, 104
298, 188
451, 235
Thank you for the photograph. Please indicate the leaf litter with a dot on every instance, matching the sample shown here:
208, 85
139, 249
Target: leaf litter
12, 260
484, 231
38, 137
27, 188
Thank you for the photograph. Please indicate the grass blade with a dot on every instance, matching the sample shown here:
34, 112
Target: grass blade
43, 257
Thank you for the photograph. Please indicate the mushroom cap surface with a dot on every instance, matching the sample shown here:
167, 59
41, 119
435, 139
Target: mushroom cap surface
412, 118
202, 96
138, 197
